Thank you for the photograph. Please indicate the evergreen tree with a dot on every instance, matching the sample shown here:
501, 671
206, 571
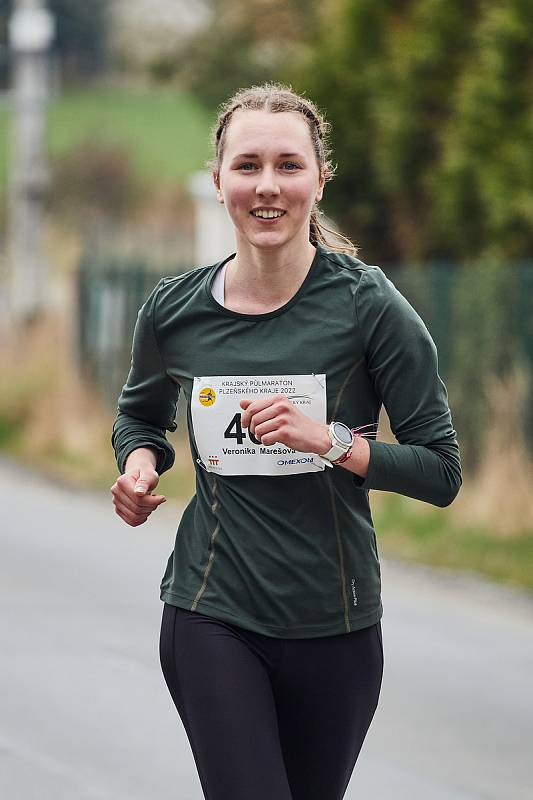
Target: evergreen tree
430, 102
484, 184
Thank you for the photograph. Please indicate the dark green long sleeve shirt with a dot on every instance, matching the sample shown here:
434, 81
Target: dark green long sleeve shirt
291, 555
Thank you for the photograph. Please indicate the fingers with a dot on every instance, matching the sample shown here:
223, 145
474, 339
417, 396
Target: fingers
136, 504
275, 419
137, 484
133, 507
252, 406
130, 517
125, 490
271, 431
258, 420
131, 512
278, 402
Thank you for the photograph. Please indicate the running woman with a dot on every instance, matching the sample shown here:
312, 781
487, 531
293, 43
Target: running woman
284, 351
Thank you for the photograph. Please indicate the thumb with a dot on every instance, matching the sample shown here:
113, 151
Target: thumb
142, 483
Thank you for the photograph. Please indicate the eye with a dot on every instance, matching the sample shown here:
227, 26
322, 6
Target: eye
249, 166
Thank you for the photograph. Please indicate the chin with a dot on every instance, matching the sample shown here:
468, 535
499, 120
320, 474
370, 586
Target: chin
267, 240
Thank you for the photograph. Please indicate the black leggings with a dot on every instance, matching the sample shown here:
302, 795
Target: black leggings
268, 718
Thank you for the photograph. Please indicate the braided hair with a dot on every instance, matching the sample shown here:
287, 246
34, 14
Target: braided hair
276, 97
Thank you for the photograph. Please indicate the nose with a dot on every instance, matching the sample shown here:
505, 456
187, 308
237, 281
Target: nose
267, 183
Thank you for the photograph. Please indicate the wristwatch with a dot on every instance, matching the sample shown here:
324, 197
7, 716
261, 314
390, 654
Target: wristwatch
341, 437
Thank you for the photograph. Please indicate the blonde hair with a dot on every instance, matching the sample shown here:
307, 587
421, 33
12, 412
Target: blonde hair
276, 97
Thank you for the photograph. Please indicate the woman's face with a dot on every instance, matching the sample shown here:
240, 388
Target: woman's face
269, 164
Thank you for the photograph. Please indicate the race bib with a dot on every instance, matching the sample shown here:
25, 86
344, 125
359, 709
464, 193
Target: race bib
226, 448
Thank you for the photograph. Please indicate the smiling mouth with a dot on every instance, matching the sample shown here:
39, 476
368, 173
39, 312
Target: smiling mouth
267, 213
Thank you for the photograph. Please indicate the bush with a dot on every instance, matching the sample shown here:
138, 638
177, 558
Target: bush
92, 182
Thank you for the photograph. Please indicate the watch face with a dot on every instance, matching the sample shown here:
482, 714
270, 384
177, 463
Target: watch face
342, 432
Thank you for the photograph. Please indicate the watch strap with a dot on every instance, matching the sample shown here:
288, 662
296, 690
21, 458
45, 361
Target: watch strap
345, 456
337, 450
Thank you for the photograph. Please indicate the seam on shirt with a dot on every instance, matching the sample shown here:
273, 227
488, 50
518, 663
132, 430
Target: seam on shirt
361, 329
161, 359
357, 310
156, 297
169, 279
211, 556
345, 384
360, 265
340, 551
333, 503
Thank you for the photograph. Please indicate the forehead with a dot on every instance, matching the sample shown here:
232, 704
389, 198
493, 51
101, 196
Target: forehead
262, 131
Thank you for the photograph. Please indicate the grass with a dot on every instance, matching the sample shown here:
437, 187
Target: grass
67, 433
165, 131
410, 530
9, 429
81, 460
4, 123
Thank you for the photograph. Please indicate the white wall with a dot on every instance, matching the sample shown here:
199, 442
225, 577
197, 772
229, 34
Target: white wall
214, 237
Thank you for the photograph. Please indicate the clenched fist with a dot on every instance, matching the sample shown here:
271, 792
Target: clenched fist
275, 419
132, 491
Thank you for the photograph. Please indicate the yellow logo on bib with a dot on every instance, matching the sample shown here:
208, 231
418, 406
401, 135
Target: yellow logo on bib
207, 396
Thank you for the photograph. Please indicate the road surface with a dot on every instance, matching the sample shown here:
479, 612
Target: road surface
86, 714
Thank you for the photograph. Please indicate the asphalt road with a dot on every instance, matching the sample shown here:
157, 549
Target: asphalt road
86, 715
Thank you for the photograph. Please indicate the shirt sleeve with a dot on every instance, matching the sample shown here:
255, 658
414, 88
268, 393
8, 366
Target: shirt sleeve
401, 359
148, 401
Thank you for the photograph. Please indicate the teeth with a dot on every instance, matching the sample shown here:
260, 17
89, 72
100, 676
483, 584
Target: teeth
267, 213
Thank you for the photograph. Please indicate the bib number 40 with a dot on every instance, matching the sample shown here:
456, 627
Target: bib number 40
235, 431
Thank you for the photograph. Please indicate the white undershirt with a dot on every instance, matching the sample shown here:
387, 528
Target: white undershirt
217, 289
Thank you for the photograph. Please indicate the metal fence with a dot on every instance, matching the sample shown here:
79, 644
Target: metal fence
481, 318
455, 301
109, 297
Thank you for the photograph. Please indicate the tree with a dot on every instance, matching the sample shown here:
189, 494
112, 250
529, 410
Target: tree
246, 42
430, 102
484, 183
385, 73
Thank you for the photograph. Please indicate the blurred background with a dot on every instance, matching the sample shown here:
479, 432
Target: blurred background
105, 116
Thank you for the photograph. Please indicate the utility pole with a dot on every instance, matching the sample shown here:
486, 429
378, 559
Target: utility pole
31, 30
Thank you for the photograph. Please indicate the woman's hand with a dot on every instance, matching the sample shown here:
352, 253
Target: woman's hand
275, 418
132, 491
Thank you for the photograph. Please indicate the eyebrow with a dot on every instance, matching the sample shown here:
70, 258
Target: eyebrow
281, 155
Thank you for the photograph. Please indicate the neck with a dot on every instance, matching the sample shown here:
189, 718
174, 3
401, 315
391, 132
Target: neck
266, 276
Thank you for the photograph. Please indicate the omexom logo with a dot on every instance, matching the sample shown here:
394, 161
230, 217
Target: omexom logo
286, 462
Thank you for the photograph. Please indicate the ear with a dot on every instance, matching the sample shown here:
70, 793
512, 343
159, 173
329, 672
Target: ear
216, 181
320, 190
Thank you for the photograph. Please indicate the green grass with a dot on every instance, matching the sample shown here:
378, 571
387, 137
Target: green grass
9, 430
430, 536
165, 132
4, 122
